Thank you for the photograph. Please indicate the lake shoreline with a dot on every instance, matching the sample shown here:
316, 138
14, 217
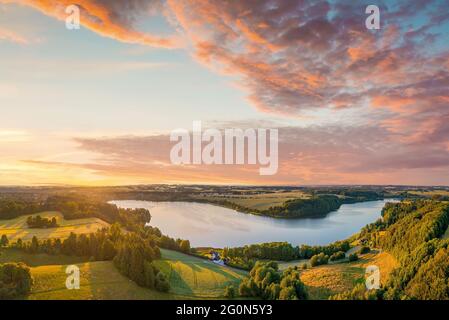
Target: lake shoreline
264, 213
209, 225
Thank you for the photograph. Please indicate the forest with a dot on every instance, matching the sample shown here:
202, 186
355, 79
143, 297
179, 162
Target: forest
412, 231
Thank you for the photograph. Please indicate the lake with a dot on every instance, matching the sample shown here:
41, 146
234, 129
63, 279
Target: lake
207, 225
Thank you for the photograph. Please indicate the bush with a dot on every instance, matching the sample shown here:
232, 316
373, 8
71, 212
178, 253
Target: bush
364, 250
359, 292
184, 246
15, 280
4, 241
304, 266
319, 259
230, 292
337, 256
353, 257
162, 283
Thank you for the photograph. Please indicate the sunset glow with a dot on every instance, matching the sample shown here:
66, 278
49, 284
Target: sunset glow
96, 106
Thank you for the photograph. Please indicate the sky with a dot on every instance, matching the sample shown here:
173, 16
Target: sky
96, 106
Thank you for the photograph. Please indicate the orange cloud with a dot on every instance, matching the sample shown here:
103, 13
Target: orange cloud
109, 19
317, 155
393, 103
293, 57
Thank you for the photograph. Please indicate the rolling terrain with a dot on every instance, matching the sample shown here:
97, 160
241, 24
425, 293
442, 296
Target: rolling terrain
18, 228
327, 280
195, 277
190, 278
99, 281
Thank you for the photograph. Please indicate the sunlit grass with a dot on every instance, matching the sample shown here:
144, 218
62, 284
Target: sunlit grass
18, 228
262, 201
98, 281
327, 280
197, 277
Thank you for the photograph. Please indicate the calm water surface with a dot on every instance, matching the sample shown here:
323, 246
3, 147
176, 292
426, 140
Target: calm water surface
209, 225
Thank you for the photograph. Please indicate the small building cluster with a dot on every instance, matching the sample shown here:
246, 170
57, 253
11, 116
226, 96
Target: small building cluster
216, 258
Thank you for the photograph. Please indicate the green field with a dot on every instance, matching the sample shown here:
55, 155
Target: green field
190, 278
195, 277
99, 281
262, 201
17, 228
430, 193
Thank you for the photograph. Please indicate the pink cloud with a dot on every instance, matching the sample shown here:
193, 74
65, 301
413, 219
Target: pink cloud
292, 57
12, 36
317, 155
113, 19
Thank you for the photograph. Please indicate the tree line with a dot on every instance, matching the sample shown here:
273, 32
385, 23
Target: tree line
39, 222
11, 208
245, 257
134, 260
75, 207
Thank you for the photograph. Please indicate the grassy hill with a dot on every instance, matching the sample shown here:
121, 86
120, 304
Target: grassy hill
327, 280
99, 281
18, 228
190, 278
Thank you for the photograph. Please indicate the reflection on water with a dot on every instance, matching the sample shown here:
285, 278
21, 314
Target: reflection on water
209, 225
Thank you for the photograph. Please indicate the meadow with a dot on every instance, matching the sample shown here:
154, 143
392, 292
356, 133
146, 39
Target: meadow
18, 228
99, 281
261, 201
430, 193
195, 277
190, 278
326, 280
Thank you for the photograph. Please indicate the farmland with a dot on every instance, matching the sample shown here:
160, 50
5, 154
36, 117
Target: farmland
99, 281
17, 228
261, 201
195, 277
190, 278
